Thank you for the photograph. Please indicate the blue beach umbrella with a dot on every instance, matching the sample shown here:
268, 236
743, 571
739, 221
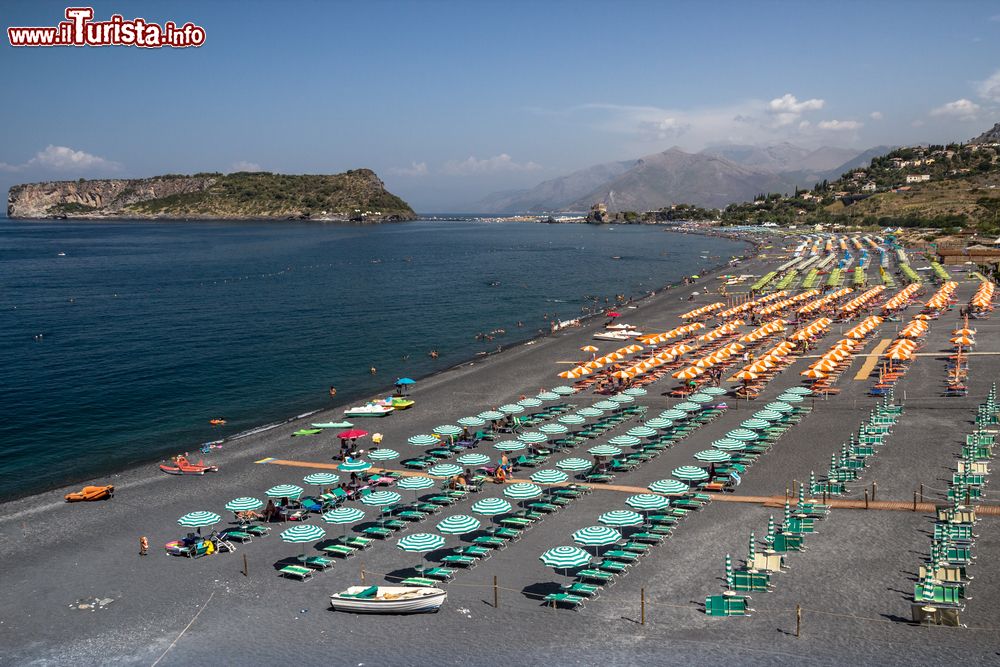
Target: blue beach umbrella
405, 381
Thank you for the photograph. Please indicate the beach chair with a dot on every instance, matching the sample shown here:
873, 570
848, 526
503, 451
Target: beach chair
591, 574
944, 594
506, 533
785, 542
378, 531
318, 563
341, 550
474, 551
439, 573
613, 566
490, 542
582, 589
419, 581
567, 599
441, 500
256, 530
546, 508
237, 534
459, 560
749, 580
645, 537
622, 555
636, 547
296, 572
727, 605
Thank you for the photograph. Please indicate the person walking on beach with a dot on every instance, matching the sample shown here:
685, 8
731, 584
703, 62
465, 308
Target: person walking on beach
143, 546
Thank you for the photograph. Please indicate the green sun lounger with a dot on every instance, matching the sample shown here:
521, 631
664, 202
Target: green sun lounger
647, 538
567, 599
621, 555
612, 566
256, 531
746, 580
490, 542
411, 515
460, 560
507, 533
591, 574
318, 563
237, 535
296, 572
516, 522
474, 551
636, 547
441, 500
378, 531
439, 573
341, 550
419, 581
582, 589
727, 605
547, 508
426, 508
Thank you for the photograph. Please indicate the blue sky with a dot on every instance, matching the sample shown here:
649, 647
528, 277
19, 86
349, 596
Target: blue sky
448, 101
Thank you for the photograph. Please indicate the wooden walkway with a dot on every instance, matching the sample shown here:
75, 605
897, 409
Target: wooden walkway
871, 359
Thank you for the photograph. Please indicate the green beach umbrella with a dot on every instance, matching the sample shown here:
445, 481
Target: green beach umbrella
447, 429
418, 483
552, 429
729, 572
622, 398
511, 409
423, 440
743, 435
659, 423
509, 446
355, 465
769, 538
471, 422
754, 424
673, 414
549, 477
573, 420
199, 519
491, 506
729, 444
790, 398
589, 412
445, 470
302, 533
381, 498
575, 464
787, 514
670, 487
547, 396
812, 482
621, 518
420, 542
712, 456
491, 415
624, 441
927, 591
344, 515
689, 473
244, 504
533, 437
458, 524
605, 405
604, 450
565, 557
321, 479
767, 415
641, 432
522, 491
779, 406
802, 391
635, 391
563, 390
712, 391
383, 455
701, 397
473, 459
751, 547
530, 402
687, 406
596, 536
645, 502
284, 491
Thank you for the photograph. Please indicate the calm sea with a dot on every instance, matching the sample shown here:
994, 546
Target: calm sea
148, 330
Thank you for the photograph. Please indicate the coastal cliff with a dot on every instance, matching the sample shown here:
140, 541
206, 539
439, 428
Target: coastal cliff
357, 195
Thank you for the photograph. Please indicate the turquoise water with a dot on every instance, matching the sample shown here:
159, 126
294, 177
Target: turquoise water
148, 330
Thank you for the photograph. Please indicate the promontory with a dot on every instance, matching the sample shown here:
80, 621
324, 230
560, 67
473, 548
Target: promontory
356, 195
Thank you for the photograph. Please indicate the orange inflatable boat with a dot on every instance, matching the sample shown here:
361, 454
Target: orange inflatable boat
91, 493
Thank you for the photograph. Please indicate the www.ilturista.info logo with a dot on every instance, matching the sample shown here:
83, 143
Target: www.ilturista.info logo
79, 29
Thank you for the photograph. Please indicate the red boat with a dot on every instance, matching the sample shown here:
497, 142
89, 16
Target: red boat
179, 465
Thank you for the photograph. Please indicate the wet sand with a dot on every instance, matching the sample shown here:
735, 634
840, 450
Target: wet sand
854, 581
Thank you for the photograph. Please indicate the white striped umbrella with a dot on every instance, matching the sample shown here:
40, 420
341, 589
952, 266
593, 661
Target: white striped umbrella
635, 391
415, 483
689, 473
670, 487
624, 441
471, 422
769, 538
573, 420
799, 390
344, 515
687, 406
767, 415
423, 440
530, 402
605, 405
547, 396
473, 459
927, 591
790, 398
302, 533
604, 450
659, 423
673, 415
565, 557
751, 547
381, 498
532, 437
383, 455
779, 406
199, 519
549, 477
552, 429
589, 412
712, 456
458, 524
596, 536
742, 434
244, 504
355, 465
622, 398
284, 491
522, 491
700, 397
620, 518
647, 501
420, 542
563, 390
321, 479
491, 506
712, 391
641, 432
509, 446
729, 572
447, 429
511, 409
445, 470
754, 424
491, 415
729, 444
575, 464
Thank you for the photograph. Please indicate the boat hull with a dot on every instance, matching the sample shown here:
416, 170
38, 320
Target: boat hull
423, 601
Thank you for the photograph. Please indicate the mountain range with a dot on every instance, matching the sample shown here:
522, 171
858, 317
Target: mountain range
716, 176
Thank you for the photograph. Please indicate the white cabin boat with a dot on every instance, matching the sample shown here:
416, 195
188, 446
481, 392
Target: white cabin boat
369, 410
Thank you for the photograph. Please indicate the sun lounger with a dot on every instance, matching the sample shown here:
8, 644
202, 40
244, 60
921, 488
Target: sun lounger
636, 547
318, 563
238, 535
595, 575
547, 508
441, 500
648, 538
516, 522
439, 573
341, 550
748, 580
474, 551
612, 566
460, 560
256, 531
490, 542
621, 555
296, 572
507, 533
727, 605
378, 531
567, 599
419, 581
358, 542
582, 589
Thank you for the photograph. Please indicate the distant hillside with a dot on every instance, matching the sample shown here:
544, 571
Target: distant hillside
990, 136
352, 195
556, 194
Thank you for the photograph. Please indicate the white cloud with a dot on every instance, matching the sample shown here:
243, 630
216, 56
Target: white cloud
839, 125
664, 128
498, 163
243, 165
876, 115
62, 159
415, 169
962, 109
990, 88
787, 109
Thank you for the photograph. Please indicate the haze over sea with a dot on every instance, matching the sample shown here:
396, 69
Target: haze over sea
149, 330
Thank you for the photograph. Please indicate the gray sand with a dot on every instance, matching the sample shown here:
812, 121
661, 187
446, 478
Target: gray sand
854, 581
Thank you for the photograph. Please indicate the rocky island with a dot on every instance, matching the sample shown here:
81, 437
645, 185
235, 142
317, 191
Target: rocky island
357, 195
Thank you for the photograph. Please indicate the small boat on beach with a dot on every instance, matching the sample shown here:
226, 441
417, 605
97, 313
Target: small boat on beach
179, 465
389, 599
340, 424
368, 410
89, 493
400, 403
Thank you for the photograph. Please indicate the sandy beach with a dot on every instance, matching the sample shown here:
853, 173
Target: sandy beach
854, 582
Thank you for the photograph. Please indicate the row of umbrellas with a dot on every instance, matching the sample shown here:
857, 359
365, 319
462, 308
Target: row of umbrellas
811, 330
983, 298
901, 299
751, 304
664, 336
703, 310
824, 301
942, 297
787, 303
862, 300
863, 328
